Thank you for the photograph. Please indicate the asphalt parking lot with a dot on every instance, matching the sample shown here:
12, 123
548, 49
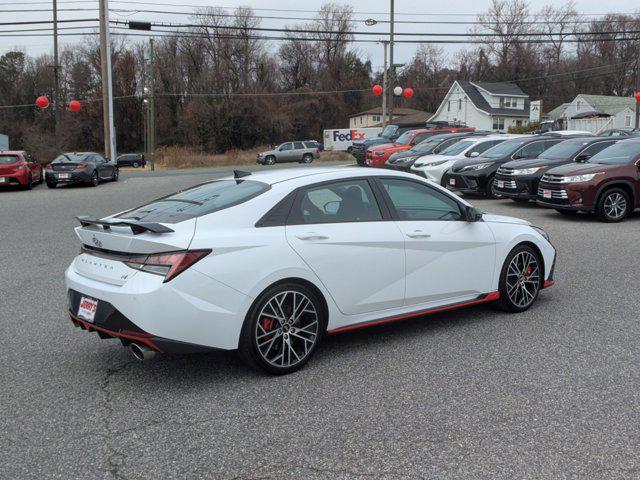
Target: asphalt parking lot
550, 393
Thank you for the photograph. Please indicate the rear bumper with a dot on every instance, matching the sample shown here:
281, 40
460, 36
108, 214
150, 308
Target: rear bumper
191, 309
15, 178
76, 177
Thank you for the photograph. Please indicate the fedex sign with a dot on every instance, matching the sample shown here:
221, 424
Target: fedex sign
347, 137
341, 139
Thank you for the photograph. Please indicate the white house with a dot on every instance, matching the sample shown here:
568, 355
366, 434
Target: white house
486, 106
373, 116
595, 113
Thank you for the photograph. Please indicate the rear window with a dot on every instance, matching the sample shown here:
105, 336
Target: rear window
70, 157
197, 201
8, 159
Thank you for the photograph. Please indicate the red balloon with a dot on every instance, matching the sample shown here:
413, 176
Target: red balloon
42, 102
638, 96
377, 90
74, 105
408, 92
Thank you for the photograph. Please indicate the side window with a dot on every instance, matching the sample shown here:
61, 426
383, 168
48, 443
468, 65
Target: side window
298, 146
532, 150
444, 145
615, 133
591, 150
414, 201
287, 147
348, 201
420, 137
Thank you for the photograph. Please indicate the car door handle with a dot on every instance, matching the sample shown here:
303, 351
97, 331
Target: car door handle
311, 236
418, 234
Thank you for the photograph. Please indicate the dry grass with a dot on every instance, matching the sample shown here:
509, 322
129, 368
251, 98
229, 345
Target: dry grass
183, 157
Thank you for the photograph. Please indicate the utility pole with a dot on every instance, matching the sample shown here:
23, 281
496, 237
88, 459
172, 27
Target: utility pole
56, 75
392, 72
107, 84
384, 86
151, 119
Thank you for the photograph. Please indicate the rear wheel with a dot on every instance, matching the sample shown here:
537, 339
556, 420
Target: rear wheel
520, 279
94, 179
136, 164
51, 185
282, 329
307, 158
116, 174
29, 184
613, 205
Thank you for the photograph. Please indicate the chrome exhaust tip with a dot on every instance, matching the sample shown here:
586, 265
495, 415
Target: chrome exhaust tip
142, 352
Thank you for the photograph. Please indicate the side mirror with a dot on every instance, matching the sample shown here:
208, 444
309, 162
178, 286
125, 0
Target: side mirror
582, 158
472, 215
474, 154
331, 207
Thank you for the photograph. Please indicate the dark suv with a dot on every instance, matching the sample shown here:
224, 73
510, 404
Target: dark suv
608, 183
476, 175
134, 160
518, 179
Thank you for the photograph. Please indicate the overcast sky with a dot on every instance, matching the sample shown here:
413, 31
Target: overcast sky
463, 10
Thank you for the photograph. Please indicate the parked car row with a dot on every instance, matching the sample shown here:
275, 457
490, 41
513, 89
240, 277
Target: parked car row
568, 171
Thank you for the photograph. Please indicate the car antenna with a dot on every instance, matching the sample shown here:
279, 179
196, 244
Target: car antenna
240, 174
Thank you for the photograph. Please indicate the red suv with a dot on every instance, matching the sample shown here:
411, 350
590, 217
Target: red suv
378, 155
607, 183
18, 168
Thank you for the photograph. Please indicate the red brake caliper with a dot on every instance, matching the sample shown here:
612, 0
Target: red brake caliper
267, 323
528, 270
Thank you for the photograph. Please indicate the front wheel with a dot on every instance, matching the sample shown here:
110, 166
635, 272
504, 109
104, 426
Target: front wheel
270, 160
520, 279
613, 205
282, 329
490, 190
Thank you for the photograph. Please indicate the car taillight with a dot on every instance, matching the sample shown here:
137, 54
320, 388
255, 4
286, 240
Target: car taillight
81, 165
48, 167
167, 265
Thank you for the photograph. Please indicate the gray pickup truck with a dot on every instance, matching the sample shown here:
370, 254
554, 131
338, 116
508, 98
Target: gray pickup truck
302, 152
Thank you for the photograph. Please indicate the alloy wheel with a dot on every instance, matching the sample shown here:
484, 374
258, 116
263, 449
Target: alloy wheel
523, 279
287, 329
615, 205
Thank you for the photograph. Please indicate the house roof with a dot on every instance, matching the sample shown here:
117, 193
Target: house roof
481, 104
557, 112
378, 111
501, 88
610, 105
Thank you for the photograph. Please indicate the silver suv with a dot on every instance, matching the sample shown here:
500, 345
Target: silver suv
303, 152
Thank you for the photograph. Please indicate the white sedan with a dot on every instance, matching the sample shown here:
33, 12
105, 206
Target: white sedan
269, 262
433, 167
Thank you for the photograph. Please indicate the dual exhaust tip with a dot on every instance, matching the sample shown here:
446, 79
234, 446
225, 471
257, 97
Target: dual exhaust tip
142, 352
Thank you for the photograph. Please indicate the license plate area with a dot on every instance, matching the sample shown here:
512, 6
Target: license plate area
500, 183
87, 309
63, 176
546, 193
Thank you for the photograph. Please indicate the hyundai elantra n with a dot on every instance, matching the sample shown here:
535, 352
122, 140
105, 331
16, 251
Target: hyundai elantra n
270, 262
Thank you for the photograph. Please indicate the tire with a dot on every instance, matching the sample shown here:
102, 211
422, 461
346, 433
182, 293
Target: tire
41, 181
613, 205
521, 279
51, 185
135, 164
267, 319
270, 160
29, 184
568, 213
307, 158
94, 179
489, 191
116, 174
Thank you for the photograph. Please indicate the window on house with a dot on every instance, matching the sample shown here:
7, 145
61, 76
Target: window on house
498, 123
518, 123
627, 121
376, 118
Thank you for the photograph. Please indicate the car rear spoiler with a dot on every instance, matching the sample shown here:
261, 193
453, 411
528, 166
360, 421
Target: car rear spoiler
136, 227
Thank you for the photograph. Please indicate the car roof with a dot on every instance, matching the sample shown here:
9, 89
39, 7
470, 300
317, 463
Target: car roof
11, 152
316, 174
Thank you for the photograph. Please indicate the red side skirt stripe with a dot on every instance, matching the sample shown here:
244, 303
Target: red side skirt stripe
488, 298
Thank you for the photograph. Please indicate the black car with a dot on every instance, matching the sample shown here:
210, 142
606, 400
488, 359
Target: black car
476, 175
519, 179
86, 167
134, 160
431, 146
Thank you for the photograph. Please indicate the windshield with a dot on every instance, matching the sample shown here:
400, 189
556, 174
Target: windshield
8, 159
405, 138
458, 148
618, 154
566, 149
197, 201
505, 148
389, 131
